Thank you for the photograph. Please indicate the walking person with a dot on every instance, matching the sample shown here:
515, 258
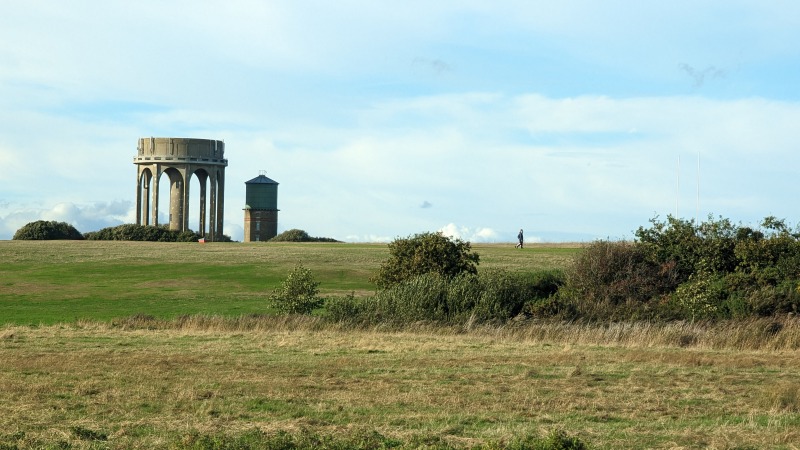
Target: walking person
520, 238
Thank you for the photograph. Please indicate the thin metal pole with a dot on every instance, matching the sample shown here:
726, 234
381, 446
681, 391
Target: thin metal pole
697, 214
677, 187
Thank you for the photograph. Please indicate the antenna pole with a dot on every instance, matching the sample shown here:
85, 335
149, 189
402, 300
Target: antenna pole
677, 186
697, 214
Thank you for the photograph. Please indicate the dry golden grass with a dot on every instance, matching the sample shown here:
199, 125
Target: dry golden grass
148, 388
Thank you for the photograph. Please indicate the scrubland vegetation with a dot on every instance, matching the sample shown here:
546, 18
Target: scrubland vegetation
684, 338
674, 270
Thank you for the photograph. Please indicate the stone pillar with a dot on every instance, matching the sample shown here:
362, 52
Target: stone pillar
220, 206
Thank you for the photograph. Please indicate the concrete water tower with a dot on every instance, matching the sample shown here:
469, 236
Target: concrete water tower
180, 159
260, 209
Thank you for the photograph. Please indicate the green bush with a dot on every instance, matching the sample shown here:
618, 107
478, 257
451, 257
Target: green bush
346, 310
295, 235
43, 230
702, 296
491, 297
772, 300
681, 270
503, 296
684, 244
421, 298
426, 253
298, 294
134, 232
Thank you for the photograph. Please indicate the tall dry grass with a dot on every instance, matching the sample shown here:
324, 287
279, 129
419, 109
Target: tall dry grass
148, 383
769, 334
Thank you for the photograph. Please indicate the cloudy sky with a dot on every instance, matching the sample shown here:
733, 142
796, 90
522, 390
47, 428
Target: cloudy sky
574, 120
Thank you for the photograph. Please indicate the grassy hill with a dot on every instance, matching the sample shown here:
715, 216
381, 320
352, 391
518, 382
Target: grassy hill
46, 282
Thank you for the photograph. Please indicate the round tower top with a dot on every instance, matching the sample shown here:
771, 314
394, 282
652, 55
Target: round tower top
205, 151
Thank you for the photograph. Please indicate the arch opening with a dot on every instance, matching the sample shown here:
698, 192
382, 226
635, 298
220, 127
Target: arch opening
143, 197
198, 217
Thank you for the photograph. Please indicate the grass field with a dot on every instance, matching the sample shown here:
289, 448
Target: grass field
141, 382
47, 282
142, 388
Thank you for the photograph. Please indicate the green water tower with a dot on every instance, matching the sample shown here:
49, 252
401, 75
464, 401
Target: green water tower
260, 209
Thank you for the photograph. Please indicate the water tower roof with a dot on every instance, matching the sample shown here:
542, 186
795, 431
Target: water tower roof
261, 179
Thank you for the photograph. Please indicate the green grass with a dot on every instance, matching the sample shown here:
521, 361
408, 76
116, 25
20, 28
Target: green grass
46, 282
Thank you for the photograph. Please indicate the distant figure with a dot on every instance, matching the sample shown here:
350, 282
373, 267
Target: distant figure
520, 238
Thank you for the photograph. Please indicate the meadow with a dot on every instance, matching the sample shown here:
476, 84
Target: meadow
145, 345
47, 282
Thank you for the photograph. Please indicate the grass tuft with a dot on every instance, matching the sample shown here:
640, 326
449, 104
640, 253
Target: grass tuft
784, 397
86, 434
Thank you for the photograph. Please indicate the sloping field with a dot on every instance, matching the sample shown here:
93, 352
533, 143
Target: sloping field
46, 282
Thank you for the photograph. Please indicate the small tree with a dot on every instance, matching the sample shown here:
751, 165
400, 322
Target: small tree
298, 293
425, 253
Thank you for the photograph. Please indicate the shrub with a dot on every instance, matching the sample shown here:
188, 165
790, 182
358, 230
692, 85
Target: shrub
702, 296
503, 296
674, 241
345, 309
681, 270
421, 298
771, 300
295, 235
298, 293
425, 253
43, 230
494, 296
615, 280
134, 232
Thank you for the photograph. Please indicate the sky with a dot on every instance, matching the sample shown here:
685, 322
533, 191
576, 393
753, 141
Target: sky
573, 120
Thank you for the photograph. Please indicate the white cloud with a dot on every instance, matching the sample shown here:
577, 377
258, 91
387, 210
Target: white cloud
477, 234
368, 238
234, 230
84, 217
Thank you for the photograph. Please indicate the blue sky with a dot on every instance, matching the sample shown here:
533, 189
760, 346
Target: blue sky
574, 120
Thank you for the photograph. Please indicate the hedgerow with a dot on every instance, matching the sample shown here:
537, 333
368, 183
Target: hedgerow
678, 269
133, 232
